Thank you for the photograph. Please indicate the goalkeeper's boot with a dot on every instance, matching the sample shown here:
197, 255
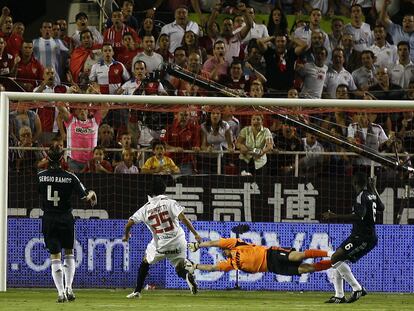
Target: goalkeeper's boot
334, 299
70, 295
62, 298
192, 284
133, 295
356, 295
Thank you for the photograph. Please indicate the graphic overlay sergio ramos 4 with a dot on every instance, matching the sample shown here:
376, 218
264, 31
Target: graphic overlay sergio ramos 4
103, 260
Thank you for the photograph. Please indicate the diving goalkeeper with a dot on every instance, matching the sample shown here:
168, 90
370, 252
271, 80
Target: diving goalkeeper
253, 258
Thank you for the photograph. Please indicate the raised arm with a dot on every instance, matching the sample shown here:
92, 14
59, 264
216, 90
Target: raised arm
189, 226
384, 18
64, 112
249, 24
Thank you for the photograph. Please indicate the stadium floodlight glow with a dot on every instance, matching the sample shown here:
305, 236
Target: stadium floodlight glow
5, 97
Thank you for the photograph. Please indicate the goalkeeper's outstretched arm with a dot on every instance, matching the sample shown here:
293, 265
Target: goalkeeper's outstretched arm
203, 267
194, 246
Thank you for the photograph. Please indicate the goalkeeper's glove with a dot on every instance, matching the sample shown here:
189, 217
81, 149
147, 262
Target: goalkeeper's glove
193, 246
189, 266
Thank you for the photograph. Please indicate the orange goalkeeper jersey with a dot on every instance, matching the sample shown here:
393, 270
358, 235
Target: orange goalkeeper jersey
244, 256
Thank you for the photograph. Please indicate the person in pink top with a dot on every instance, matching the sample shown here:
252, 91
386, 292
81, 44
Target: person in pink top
217, 65
81, 132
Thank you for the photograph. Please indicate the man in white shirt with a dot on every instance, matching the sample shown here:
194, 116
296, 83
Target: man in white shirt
385, 53
337, 74
402, 71
257, 31
361, 31
313, 74
364, 76
177, 28
82, 24
152, 59
161, 215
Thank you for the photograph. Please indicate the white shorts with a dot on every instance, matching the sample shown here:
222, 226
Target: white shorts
175, 255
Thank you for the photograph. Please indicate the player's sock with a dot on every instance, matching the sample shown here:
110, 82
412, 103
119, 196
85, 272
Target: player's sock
338, 282
322, 265
347, 275
142, 274
69, 270
57, 275
314, 253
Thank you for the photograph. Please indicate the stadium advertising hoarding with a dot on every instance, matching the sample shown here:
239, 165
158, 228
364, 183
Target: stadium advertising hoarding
103, 260
224, 198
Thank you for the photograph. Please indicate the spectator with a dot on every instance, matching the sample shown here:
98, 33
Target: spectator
314, 75
402, 72
337, 74
56, 141
211, 35
352, 56
81, 20
335, 38
254, 142
255, 59
215, 136
50, 52
115, 33
254, 31
367, 135
183, 135
108, 73
64, 34
83, 58
49, 115
26, 161
23, 117
106, 140
398, 32
217, 65
176, 29
404, 129
152, 59
185, 88
360, 31
180, 57
82, 133
304, 33
385, 53
128, 51
127, 165
190, 44
128, 19
384, 88
280, 62
27, 69
15, 41
277, 23
164, 49
98, 164
364, 76
159, 163
148, 29
311, 161
6, 60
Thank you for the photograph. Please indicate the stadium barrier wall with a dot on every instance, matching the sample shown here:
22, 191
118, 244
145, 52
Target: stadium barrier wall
104, 261
224, 197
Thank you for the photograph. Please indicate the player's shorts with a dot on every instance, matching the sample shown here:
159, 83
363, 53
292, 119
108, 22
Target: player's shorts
175, 254
58, 231
356, 247
278, 262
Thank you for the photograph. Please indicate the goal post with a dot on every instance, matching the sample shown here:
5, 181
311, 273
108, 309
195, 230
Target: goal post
262, 103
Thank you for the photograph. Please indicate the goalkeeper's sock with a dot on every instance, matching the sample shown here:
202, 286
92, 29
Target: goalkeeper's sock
57, 275
314, 253
142, 275
322, 265
347, 275
69, 270
338, 283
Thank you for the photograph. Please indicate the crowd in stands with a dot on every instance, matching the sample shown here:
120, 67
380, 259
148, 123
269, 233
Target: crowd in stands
371, 57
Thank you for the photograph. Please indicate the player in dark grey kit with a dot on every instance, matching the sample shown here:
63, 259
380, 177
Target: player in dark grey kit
55, 189
362, 240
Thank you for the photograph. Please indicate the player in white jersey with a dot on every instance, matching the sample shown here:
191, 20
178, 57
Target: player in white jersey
161, 215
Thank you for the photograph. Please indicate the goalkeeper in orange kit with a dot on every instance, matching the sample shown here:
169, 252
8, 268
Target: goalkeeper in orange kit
253, 258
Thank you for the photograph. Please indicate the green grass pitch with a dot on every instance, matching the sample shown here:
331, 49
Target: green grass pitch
114, 300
